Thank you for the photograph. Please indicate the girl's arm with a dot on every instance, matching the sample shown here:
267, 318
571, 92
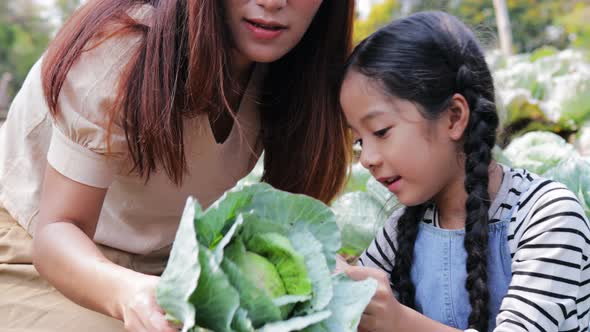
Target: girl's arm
65, 255
550, 286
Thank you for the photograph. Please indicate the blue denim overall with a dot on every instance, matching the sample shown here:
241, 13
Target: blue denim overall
439, 274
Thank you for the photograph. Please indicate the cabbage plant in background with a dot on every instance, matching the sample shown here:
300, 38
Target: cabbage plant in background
545, 90
549, 155
538, 151
260, 259
582, 144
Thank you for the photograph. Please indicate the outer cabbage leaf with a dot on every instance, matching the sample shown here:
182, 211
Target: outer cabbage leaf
357, 180
215, 299
359, 217
255, 175
385, 197
179, 280
318, 271
241, 322
347, 305
296, 323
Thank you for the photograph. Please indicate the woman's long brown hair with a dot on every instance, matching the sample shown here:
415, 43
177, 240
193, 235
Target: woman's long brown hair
184, 59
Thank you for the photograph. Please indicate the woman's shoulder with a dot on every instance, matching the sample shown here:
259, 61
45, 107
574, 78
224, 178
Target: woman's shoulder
93, 81
115, 44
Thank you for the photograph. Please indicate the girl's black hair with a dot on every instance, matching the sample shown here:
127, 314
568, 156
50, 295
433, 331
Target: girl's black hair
427, 58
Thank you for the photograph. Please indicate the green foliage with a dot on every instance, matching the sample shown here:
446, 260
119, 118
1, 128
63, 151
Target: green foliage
543, 52
66, 7
23, 38
380, 15
24, 35
576, 24
529, 20
534, 23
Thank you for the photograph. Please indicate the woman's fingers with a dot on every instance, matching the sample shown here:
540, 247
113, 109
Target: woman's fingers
147, 320
160, 324
158, 319
142, 312
133, 323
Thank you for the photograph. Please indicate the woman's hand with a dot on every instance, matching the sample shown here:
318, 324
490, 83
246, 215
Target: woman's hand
383, 310
139, 309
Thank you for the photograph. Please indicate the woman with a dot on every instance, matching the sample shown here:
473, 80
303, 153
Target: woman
135, 106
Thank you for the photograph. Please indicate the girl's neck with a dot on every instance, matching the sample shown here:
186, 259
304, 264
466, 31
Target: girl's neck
451, 202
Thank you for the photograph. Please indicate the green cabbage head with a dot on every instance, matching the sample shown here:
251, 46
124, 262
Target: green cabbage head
260, 259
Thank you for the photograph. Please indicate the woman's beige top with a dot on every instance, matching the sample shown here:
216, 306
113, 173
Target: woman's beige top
136, 217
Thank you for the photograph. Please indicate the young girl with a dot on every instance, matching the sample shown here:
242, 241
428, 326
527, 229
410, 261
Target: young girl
137, 105
479, 245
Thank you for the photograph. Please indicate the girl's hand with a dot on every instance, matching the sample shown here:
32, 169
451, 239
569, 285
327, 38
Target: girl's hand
341, 265
140, 311
380, 315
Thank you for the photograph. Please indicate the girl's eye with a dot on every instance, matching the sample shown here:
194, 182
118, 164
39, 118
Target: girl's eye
382, 132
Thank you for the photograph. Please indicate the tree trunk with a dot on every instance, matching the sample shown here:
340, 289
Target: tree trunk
503, 22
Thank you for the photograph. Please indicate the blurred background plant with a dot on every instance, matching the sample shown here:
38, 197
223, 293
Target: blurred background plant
533, 23
26, 27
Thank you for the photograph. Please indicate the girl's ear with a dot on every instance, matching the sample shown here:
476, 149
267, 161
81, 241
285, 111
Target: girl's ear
457, 116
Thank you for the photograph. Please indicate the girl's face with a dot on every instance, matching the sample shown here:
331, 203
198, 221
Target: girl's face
413, 157
265, 30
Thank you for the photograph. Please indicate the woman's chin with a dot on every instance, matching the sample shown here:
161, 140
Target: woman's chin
264, 54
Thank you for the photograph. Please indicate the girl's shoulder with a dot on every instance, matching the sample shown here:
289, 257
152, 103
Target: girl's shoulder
540, 205
532, 192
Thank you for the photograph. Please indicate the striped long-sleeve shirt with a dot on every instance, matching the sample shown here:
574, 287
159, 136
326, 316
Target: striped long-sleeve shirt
549, 244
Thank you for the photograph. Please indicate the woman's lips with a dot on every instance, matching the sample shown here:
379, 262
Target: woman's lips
264, 30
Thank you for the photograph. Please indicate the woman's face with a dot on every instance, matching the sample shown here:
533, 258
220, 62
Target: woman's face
266, 30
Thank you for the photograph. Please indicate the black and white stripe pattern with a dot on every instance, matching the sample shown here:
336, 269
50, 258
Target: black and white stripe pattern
549, 241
